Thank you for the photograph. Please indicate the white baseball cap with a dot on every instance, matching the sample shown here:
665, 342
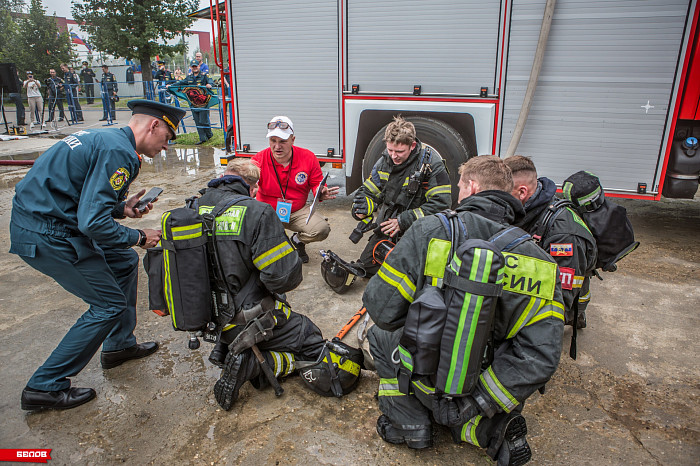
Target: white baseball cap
273, 128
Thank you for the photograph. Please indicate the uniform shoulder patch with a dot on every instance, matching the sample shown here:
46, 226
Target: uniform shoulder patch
529, 276
119, 179
561, 249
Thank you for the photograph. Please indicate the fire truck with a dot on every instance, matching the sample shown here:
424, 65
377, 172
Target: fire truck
608, 86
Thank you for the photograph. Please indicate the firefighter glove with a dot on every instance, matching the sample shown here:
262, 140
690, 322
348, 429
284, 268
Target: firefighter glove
454, 412
362, 205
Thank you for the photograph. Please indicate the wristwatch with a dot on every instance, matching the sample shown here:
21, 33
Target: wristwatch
142, 238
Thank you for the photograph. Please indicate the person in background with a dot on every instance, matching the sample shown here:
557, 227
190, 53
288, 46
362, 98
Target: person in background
109, 94
56, 95
88, 77
203, 67
199, 115
16, 98
72, 83
36, 103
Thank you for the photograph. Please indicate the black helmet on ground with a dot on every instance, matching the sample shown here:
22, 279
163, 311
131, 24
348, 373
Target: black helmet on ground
336, 372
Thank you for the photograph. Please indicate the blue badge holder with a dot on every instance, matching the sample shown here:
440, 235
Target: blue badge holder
284, 211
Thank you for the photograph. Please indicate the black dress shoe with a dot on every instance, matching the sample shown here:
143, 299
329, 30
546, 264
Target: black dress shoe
103, 119
112, 359
199, 142
61, 399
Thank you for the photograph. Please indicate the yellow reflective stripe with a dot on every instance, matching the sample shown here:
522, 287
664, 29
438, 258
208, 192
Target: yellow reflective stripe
422, 387
370, 205
389, 387
284, 308
497, 391
418, 212
228, 327
278, 362
187, 232
167, 284
525, 316
585, 298
348, 365
551, 309
405, 182
442, 189
383, 175
578, 281
289, 358
369, 184
398, 280
274, 254
469, 431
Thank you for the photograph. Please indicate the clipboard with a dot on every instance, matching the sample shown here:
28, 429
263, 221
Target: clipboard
316, 198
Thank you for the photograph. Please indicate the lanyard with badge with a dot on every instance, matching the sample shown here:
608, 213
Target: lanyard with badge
284, 208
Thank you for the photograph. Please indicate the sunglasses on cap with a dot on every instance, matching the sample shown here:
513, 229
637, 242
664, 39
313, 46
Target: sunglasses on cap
278, 124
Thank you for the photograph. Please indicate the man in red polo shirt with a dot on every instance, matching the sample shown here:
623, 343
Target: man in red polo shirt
287, 175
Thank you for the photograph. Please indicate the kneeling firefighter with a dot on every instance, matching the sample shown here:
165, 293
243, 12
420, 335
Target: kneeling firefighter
251, 266
408, 182
468, 322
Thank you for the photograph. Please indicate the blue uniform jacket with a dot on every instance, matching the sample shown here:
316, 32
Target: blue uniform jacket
79, 186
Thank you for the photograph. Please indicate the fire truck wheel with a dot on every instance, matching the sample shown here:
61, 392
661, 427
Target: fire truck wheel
440, 136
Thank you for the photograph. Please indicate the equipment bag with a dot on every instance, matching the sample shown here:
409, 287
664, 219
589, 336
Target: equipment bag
186, 279
448, 327
607, 221
153, 264
186, 273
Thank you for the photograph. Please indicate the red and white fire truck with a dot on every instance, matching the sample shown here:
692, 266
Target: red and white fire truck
609, 86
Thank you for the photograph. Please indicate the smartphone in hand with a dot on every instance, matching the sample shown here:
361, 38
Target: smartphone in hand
149, 197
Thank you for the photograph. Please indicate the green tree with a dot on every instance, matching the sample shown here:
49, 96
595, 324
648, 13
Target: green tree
135, 29
38, 44
8, 27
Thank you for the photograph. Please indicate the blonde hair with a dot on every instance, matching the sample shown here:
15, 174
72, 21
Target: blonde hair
488, 171
400, 131
245, 169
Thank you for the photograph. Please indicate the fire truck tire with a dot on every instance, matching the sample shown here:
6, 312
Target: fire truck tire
442, 137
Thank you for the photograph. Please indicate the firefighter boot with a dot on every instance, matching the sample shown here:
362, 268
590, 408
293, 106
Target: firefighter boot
514, 449
301, 248
237, 370
415, 436
218, 354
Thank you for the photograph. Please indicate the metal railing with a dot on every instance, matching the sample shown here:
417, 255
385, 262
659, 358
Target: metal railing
64, 103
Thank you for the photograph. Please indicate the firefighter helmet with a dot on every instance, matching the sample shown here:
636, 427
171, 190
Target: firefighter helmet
336, 372
339, 274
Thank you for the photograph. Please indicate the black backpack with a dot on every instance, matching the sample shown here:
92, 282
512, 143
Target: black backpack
607, 221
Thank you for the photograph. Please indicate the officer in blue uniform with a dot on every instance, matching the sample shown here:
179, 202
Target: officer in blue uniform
200, 115
63, 225
109, 94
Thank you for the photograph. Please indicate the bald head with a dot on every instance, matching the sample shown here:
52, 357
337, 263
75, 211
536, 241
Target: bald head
524, 177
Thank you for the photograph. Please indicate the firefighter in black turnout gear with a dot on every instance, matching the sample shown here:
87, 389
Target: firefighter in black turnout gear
408, 182
258, 265
567, 238
471, 373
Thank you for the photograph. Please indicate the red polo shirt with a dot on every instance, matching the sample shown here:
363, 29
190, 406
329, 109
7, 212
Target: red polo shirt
303, 174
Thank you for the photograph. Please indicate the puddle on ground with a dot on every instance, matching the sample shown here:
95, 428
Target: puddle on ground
187, 161
25, 156
177, 161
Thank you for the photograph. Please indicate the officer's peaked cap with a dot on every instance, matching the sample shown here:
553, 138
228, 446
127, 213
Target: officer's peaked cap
169, 114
